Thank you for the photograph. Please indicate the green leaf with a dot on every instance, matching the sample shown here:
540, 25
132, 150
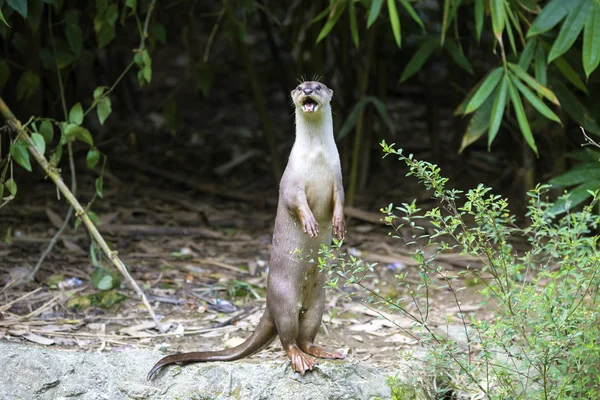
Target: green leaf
498, 111
131, 4
498, 18
353, 24
458, 56
534, 100
591, 41
479, 14
92, 158
478, 124
3, 19
160, 33
413, 14
27, 85
551, 14
11, 185
353, 116
34, 13
484, 91
170, 116
4, 73
205, 75
528, 79
581, 173
99, 185
104, 108
527, 54
20, 153
336, 11
576, 196
567, 70
570, 29
521, 117
541, 67
576, 110
394, 21
374, 12
76, 114
99, 91
418, 59
19, 6
38, 142
73, 132
47, 131
74, 38
448, 16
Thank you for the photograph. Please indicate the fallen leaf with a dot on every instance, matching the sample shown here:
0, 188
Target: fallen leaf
32, 337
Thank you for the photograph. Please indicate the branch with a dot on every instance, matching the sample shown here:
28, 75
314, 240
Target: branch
112, 255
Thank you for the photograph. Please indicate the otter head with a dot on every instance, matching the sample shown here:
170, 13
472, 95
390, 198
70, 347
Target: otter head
310, 98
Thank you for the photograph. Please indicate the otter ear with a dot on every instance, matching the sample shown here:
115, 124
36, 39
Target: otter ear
331, 92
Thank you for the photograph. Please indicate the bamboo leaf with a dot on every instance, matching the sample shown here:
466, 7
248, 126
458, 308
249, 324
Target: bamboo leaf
576, 110
521, 117
479, 123
551, 14
19, 6
541, 67
497, 111
591, 41
534, 100
569, 72
528, 79
484, 91
419, 58
394, 21
374, 12
479, 13
527, 54
458, 56
570, 29
413, 14
498, 18
335, 13
581, 173
3, 19
576, 196
353, 24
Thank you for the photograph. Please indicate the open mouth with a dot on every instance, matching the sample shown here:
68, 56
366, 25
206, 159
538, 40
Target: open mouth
309, 105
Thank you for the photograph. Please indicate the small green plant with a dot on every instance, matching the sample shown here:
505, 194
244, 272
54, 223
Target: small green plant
543, 341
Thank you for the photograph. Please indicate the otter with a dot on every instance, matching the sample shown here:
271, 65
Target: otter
310, 210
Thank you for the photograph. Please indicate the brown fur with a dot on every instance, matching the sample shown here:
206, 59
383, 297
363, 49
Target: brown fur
311, 196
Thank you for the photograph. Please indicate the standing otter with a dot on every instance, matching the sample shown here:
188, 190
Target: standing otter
310, 194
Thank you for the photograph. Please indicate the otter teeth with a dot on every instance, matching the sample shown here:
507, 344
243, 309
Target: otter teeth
309, 105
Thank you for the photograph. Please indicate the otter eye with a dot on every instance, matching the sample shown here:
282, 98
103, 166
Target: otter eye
319, 87
299, 89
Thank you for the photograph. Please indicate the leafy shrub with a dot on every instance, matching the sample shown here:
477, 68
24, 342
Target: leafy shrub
543, 341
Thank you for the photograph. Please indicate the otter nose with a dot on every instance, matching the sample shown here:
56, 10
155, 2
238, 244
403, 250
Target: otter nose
308, 91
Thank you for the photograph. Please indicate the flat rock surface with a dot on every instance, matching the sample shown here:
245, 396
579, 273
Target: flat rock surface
31, 372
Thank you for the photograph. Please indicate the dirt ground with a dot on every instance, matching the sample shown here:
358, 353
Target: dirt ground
201, 260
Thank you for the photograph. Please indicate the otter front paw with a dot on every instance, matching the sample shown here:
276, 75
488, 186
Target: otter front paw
338, 225
310, 225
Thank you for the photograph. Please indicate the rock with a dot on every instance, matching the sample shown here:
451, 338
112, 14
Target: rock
33, 372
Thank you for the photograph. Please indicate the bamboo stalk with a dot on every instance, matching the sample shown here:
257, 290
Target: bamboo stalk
112, 255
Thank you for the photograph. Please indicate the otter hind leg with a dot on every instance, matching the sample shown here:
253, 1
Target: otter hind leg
309, 326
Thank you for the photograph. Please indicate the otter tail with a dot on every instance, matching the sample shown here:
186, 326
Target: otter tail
263, 335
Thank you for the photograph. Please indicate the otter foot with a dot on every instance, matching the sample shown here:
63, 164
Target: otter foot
338, 225
318, 351
301, 362
309, 224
